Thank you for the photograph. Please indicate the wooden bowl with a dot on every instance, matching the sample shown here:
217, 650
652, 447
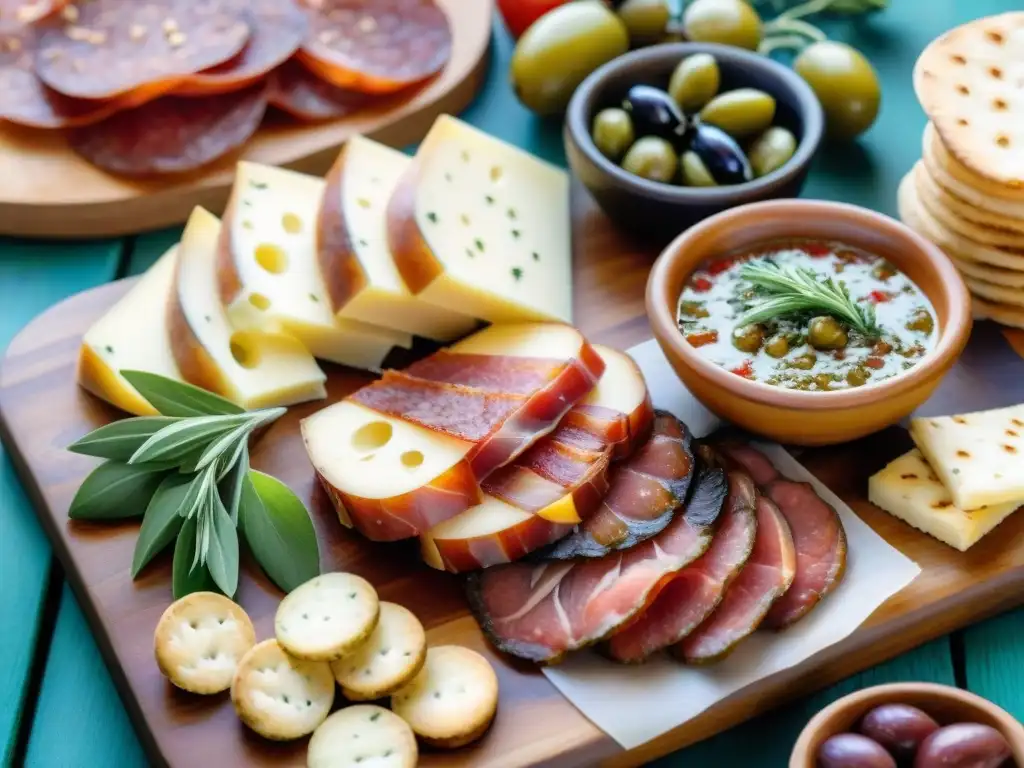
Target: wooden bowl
808, 417
944, 703
660, 211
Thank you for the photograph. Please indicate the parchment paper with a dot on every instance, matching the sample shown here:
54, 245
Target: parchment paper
634, 704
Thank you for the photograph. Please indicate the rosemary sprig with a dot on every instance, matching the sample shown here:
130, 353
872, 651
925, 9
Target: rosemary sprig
791, 290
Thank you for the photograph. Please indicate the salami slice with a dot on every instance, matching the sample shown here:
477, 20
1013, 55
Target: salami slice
15, 14
173, 134
377, 46
294, 89
278, 29
108, 48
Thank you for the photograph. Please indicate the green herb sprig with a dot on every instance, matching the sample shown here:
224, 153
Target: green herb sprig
792, 290
186, 473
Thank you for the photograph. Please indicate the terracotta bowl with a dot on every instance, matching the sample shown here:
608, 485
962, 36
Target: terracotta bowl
947, 705
793, 416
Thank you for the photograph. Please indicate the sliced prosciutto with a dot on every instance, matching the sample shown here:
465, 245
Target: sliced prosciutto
541, 611
645, 491
764, 579
501, 389
735, 454
695, 591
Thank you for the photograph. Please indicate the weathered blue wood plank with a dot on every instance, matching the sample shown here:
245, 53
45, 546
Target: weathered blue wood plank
32, 277
149, 247
994, 661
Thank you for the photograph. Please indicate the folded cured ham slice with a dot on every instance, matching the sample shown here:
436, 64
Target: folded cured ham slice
645, 491
742, 456
764, 579
695, 591
501, 389
541, 611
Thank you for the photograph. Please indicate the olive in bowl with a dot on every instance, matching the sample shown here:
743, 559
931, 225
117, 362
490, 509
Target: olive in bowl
684, 73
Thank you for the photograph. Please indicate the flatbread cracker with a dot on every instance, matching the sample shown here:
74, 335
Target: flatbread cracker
976, 455
389, 658
968, 82
908, 489
327, 617
199, 641
956, 179
279, 696
975, 223
998, 294
363, 735
453, 699
999, 313
977, 271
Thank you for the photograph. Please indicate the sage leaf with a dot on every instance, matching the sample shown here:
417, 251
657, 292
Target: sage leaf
161, 522
198, 493
278, 531
230, 486
222, 555
224, 444
176, 441
184, 579
121, 439
175, 398
115, 490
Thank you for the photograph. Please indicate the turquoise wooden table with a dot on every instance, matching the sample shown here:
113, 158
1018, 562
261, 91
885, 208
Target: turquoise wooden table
58, 706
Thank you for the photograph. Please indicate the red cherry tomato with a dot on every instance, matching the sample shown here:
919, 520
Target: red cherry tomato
520, 14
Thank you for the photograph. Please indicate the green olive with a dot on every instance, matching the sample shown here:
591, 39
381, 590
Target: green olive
729, 22
646, 20
771, 150
846, 85
742, 112
748, 338
695, 81
560, 49
921, 321
823, 382
613, 132
825, 332
804, 362
858, 377
695, 173
777, 347
651, 158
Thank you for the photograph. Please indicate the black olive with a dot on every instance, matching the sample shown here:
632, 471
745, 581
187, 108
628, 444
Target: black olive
721, 155
655, 113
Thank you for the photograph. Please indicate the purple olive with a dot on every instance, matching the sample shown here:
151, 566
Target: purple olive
963, 745
900, 728
851, 750
654, 113
721, 155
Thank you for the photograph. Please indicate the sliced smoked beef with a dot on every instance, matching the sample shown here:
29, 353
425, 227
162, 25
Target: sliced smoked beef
739, 455
764, 579
541, 611
695, 591
645, 491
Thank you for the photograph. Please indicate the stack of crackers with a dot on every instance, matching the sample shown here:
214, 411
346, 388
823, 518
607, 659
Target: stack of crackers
966, 194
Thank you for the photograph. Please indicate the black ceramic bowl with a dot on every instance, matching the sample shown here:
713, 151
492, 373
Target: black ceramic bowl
659, 211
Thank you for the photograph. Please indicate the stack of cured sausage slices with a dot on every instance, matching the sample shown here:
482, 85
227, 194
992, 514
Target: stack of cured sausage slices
153, 87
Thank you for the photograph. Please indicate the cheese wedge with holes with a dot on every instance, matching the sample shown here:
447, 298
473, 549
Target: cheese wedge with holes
132, 335
978, 456
481, 226
908, 489
268, 274
252, 368
362, 280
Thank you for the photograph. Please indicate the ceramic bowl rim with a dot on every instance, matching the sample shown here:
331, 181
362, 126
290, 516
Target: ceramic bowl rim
811, 115
661, 302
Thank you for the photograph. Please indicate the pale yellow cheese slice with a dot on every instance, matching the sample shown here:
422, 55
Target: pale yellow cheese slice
252, 368
132, 335
978, 456
269, 274
908, 489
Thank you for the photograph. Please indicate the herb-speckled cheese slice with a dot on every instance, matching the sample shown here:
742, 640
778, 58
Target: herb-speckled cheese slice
482, 226
908, 489
363, 281
132, 335
252, 368
269, 274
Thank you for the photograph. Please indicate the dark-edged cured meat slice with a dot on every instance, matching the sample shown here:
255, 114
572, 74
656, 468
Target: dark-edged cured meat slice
18, 14
278, 29
490, 373
764, 579
645, 491
820, 550
294, 89
109, 48
695, 591
541, 611
742, 456
174, 134
376, 46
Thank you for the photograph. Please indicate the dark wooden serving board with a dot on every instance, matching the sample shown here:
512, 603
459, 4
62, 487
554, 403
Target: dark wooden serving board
42, 410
